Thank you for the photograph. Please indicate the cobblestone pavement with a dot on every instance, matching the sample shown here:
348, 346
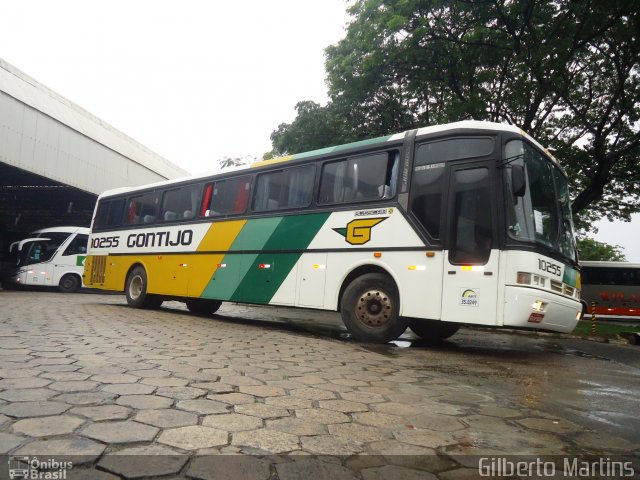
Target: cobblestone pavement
133, 393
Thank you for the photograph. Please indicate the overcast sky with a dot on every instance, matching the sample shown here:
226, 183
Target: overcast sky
194, 81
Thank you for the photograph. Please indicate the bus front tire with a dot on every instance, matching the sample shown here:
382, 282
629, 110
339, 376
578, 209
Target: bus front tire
202, 306
433, 330
136, 290
69, 283
370, 309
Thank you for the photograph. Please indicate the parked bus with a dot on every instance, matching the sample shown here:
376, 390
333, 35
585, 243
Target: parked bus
614, 286
465, 223
51, 257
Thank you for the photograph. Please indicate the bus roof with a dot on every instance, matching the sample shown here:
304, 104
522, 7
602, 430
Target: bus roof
463, 125
66, 229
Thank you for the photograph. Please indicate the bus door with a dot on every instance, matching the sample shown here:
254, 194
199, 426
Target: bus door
470, 282
72, 257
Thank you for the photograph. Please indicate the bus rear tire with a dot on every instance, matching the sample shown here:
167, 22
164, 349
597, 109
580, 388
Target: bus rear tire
370, 309
69, 283
433, 330
136, 290
202, 306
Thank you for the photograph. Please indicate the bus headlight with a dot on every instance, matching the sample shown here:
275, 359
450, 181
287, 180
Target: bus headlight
538, 306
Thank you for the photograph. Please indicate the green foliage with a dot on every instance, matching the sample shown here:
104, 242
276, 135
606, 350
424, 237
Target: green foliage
565, 71
604, 330
590, 249
315, 127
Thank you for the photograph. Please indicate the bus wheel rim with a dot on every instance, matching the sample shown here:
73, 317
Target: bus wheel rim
135, 287
374, 308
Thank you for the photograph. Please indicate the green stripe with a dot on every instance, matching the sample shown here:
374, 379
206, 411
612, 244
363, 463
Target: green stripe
253, 236
226, 280
242, 280
339, 148
259, 285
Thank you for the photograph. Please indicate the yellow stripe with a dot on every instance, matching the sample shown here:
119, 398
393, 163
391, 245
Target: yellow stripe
179, 275
220, 236
201, 270
272, 161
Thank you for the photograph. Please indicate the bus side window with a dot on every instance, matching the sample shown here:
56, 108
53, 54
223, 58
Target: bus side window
78, 246
426, 190
226, 197
115, 212
180, 203
109, 213
332, 182
287, 188
142, 209
365, 178
102, 214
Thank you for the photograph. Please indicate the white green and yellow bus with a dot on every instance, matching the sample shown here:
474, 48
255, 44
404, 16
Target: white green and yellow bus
464, 223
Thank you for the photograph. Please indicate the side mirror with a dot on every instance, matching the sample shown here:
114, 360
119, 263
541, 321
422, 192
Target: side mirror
518, 181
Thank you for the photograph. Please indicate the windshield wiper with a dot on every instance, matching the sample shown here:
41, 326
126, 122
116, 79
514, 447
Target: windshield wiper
507, 161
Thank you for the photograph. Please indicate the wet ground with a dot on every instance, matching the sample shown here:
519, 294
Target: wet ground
588, 381
113, 387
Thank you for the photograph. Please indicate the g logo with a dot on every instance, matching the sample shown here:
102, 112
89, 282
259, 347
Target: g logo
358, 232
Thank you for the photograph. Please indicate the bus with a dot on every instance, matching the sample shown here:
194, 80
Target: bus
614, 287
463, 223
51, 257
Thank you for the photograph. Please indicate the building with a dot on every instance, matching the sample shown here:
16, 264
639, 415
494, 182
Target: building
56, 158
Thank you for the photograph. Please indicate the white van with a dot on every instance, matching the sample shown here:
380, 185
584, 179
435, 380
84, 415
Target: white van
51, 257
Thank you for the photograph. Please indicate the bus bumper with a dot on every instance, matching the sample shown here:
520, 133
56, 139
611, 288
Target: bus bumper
539, 309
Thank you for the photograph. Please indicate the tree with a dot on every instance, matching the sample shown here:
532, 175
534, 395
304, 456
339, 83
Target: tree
590, 249
315, 127
565, 71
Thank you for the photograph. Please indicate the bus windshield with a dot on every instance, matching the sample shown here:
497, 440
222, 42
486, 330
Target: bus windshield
542, 214
38, 251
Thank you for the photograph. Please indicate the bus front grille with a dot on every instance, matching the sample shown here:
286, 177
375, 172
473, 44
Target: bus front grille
556, 286
98, 266
568, 290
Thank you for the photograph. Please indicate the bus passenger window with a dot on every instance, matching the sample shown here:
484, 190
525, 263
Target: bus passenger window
365, 178
101, 214
426, 191
78, 245
180, 203
109, 213
471, 233
142, 209
288, 188
226, 197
